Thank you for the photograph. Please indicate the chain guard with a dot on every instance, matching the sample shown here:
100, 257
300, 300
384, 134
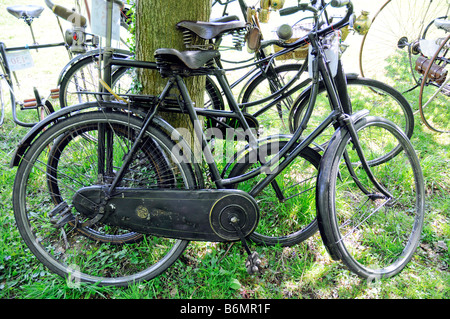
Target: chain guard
199, 215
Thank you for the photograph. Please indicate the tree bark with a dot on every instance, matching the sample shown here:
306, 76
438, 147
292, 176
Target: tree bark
156, 28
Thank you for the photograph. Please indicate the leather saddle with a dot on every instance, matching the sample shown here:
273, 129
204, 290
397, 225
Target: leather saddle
25, 11
191, 59
210, 30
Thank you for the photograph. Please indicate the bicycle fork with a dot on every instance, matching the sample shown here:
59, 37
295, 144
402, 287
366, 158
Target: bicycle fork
338, 96
347, 122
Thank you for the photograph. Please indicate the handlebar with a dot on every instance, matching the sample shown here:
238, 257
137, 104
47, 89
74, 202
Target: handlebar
66, 14
75, 18
300, 7
305, 7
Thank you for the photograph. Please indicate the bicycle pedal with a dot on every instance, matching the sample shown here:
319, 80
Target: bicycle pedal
61, 215
29, 104
253, 263
54, 93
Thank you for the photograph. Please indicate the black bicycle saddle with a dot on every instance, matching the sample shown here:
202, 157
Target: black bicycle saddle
25, 11
210, 30
192, 59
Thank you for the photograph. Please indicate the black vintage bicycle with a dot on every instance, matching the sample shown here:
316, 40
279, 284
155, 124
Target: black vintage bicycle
111, 193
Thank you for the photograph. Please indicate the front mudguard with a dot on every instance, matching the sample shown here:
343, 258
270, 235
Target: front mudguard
321, 188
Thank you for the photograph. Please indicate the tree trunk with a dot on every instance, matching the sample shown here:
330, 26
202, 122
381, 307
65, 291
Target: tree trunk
156, 28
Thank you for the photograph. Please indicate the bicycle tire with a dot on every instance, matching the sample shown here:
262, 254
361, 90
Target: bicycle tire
81, 78
72, 254
377, 97
434, 93
378, 243
292, 219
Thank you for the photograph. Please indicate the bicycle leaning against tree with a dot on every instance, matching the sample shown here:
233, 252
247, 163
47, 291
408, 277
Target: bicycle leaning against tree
97, 185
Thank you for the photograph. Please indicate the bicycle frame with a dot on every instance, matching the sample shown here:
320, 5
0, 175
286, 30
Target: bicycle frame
8, 73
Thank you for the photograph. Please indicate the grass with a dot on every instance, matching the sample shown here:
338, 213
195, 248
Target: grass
216, 270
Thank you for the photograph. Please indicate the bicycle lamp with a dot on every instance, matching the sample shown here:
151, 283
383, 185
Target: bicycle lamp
266, 5
75, 39
362, 23
284, 32
274, 4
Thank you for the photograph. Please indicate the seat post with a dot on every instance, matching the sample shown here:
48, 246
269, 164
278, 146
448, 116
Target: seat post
28, 22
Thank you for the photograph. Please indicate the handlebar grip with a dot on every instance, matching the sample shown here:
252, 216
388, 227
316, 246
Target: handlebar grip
69, 15
288, 11
339, 3
292, 10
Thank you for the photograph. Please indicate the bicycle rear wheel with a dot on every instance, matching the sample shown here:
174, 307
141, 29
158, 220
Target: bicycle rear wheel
69, 155
374, 233
435, 91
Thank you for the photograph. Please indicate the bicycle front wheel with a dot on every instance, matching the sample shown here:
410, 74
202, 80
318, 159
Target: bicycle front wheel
287, 205
373, 230
69, 156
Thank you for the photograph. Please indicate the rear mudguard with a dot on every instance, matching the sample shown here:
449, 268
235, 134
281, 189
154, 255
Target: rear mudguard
40, 127
88, 55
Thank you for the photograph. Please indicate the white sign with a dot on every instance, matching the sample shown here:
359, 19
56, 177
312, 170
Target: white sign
99, 19
19, 60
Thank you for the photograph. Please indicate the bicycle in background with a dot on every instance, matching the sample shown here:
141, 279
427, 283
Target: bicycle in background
18, 58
